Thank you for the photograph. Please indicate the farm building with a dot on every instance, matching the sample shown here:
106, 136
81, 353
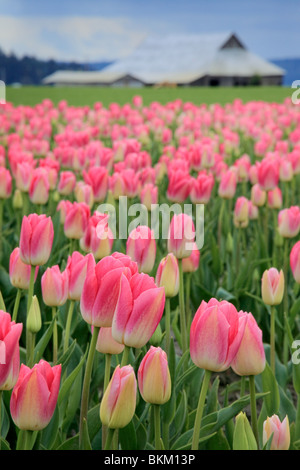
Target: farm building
181, 60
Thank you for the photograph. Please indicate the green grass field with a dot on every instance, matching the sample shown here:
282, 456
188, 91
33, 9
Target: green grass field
80, 96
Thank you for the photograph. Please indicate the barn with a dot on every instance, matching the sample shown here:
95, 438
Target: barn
219, 59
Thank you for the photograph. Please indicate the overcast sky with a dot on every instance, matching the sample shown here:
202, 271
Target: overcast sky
95, 30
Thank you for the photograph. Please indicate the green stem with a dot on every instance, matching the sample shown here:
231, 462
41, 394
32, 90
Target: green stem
16, 306
253, 408
297, 423
25, 440
157, 426
31, 348
220, 221
68, 324
200, 409
188, 297
86, 383
110, 435
182, 308
285, 297
272, 338
168, 324
29, 300
125, 356
106, 382
55, 336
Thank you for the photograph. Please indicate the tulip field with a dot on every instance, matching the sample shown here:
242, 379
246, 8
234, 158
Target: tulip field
150, 276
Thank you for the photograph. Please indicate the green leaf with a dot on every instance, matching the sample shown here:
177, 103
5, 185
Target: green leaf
184, 442
86, 443
93, 421
70, 444
127, 437
4, 444
269, 384
70, 380
48, 435
43, 342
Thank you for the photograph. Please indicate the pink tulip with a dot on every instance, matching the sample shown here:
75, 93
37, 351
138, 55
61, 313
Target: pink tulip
36, 239
258, 195
285, 170
179, 186
67, 182
63, 207
5, 183
216, 334
106, 344
141, 247
149, 195
241, 212
139, 309
154, 378
101, 289
201, 188
268, 173
191, 263
34, 396
76, 220
167, 275
101, 239
24, 171
289, 222
272, 286
77, 268
117, 185
55, 285
119, 400
10, 333
295, 261
280, 430
39, 186
97, 178
84, 193
275, 198
228, 183
181, 236
19, 272
250, 358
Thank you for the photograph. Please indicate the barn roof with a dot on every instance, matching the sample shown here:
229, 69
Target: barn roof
181, 59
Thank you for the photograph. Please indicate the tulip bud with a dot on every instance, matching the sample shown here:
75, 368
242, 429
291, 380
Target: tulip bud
10, 333
275, 198
181, 236
119, 400
272, 286
167, 275
76, 220
289, 222
258, 195
243, 437
227, 186
241, 212
39, 186
54, 286
34, 320
34, 396
106, 344
154, 377
36, 239
141, 247
19, 272
295, 261
250, 358
280, 430
5, 183
191, 263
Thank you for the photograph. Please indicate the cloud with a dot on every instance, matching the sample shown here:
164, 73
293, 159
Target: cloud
69, 38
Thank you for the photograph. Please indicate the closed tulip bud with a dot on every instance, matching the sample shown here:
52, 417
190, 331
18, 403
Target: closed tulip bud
154, 378
253, 211
55, 286
23, 176
243, 437
36, 239
67, 183
191, 263
250, 358
34, 396
19, 272
280, 430
201, 188
17, 199
179, 185
119, 400
295, 261
5, 183
106, 344
34, 320
258, 195
77, 268
101, 239
216, 334
268, 173
141, 247
76, 220
10, 333
167, 275
149, 195
101, 288
181, 236
39, 186
227, 186
275, 198
289, 222
241, 212
84, 193
272, 286
97, 178
286, 171
139, 309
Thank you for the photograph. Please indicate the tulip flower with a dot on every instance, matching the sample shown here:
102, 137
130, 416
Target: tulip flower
36, 239
149, 195
55, 286
97, 178
241, 212
275, 198
139, 309
268, 173
227, 186
280, 430
67, 183
101, 289
77, 268
84, 193
101, 239
289, 222
191, 263
76, 220
39, 186
10, 333
19, 272
24, 171
258, 195
250, 358
154, 378
141, 247
181, 236
106, 344
295, 261
34, 396
272, 286
179, 186
167, 275
5, 183
119, 400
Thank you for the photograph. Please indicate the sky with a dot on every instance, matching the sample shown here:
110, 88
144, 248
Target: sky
95, 30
